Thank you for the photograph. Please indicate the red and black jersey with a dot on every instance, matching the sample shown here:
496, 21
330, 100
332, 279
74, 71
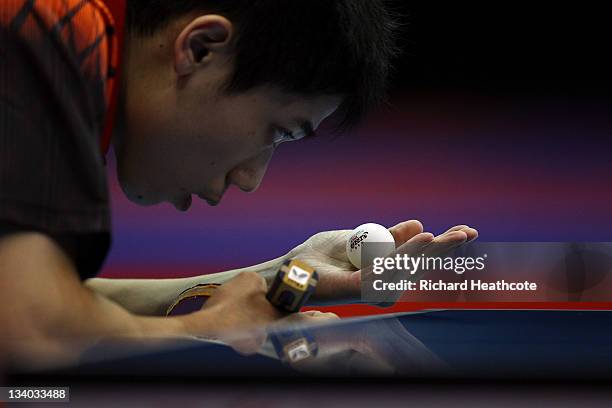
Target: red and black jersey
58, 68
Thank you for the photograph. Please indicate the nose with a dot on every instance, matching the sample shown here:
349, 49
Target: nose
249, 174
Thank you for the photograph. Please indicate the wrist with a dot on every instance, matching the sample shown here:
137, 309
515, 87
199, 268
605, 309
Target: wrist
166, 327
203, 323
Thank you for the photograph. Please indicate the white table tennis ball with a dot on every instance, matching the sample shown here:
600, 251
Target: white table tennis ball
369, 232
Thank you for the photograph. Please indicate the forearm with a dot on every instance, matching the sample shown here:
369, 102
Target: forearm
53, 318
61, 336
152, 297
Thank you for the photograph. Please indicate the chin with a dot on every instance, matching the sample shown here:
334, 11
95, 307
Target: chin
144, 202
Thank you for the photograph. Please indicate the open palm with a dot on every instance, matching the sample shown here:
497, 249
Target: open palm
339, 280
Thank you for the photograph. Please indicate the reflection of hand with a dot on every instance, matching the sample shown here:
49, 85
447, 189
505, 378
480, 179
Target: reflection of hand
338, 279
251, 341
375, 347
390, 342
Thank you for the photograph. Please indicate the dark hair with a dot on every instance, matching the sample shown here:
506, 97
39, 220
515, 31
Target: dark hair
308, 47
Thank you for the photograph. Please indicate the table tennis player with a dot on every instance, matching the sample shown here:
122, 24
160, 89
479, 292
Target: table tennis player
194, 97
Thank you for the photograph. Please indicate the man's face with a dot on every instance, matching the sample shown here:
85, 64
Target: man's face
185, 136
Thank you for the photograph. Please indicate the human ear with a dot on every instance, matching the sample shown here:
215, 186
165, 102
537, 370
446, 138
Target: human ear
202, 37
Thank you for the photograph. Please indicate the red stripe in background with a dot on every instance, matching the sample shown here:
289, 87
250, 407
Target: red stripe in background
352, 310
366, 310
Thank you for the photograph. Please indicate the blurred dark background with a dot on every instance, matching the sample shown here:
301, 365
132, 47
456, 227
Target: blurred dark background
505, 49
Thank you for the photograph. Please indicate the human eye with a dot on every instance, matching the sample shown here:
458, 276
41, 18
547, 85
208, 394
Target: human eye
282, 135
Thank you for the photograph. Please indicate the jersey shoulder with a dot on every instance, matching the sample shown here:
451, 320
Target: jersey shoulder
84, 29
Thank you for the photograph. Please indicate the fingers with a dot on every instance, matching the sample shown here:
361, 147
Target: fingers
471, 233
422, 238
247, 343
413, 239
320, 315
312, 316
253, 279
451, 239
309, 317
405, 231
456, 228
416, 243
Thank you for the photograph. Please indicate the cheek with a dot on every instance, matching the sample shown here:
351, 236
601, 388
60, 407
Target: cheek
229, 133
204, 154
202, 146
